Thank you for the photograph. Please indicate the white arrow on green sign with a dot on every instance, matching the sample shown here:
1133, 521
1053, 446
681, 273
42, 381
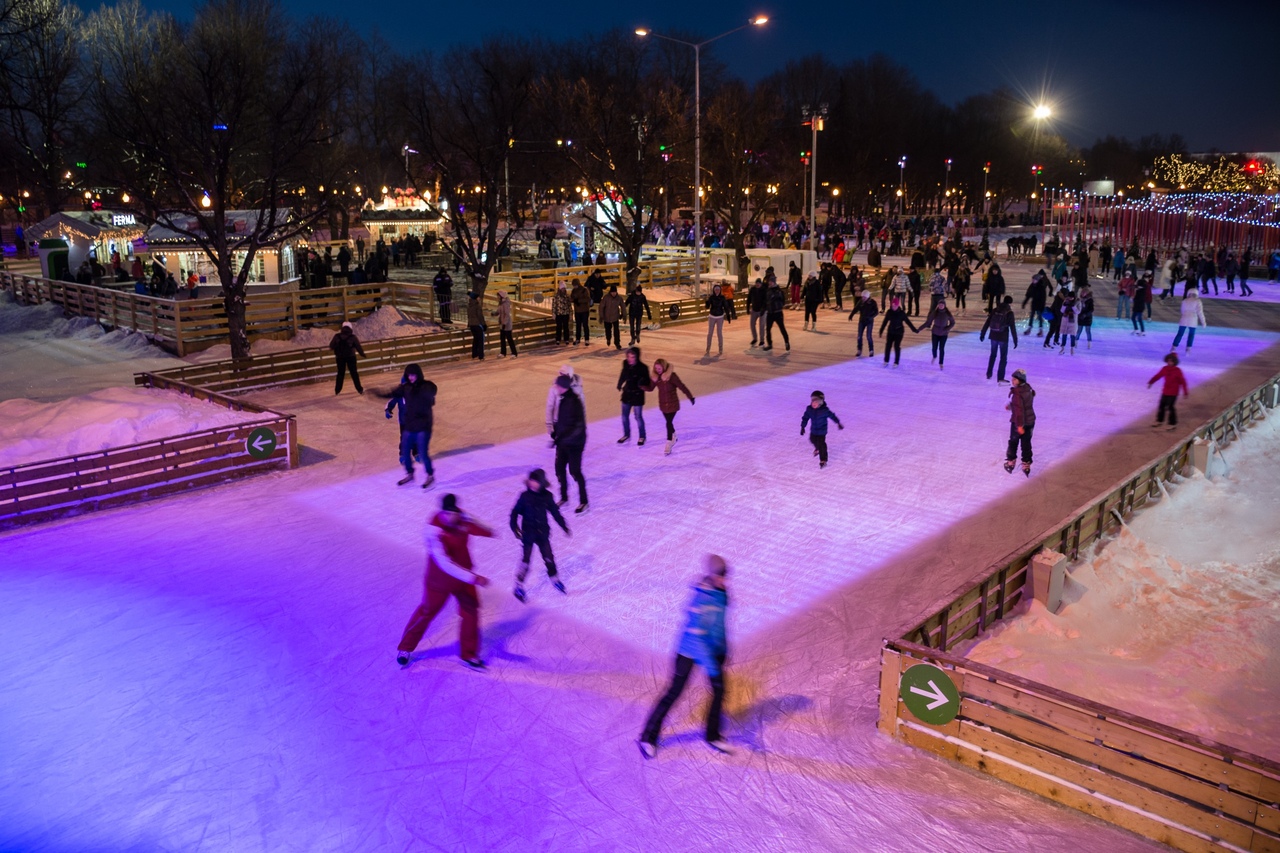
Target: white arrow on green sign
929, 694
261, 443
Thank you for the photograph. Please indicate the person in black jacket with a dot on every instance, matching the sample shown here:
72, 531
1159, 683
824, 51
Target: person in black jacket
717, 313
570, 436
1022, 420
443, 286
812, 296
633, 379
1037, 296
866, 309
419, 398
756, 308
895, 318
1001, 324
530, 525
637, 306
345, 345
775, 305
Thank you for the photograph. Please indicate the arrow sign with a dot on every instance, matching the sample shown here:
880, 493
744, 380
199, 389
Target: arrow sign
929, 694
261, 443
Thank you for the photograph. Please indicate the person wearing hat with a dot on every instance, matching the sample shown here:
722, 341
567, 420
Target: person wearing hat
1141, 297
819, 414
610, 311
570, 436
866, 309
580, 297
1022, 420
1000, 324
476, 324
345, 345
553, 395
443, 286
450, 573
416, 399
704, 642
530, 525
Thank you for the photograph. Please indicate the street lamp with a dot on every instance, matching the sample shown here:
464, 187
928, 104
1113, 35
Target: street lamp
758, 21
946, 181
986, 196
814, 117
902, 180
1042, 112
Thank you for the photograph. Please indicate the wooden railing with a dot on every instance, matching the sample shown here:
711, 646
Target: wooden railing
527, 285
89, 481
1185, 791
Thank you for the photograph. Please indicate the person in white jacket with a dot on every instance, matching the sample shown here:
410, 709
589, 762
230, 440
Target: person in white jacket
553, 398
1192, 316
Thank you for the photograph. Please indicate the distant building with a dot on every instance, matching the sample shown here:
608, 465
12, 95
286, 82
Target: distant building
274, 264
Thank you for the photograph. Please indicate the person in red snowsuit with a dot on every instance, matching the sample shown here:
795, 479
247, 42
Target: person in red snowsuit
449, 573
1174, 381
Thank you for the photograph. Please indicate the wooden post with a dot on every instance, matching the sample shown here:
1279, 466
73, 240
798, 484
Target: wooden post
177, 328
344, 305
890, 674
1048, 571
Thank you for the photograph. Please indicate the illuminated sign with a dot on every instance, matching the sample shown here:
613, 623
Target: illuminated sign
118, 219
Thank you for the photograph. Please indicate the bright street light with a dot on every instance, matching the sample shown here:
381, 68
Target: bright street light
757, 21
1042, 112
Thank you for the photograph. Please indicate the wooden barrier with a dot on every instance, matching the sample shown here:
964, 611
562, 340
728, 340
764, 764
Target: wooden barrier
82, 482
1189, 792
525, 285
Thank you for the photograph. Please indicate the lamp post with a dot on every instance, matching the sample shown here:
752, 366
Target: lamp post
902, 181
986, 196
946, 183
758, 21
814, 117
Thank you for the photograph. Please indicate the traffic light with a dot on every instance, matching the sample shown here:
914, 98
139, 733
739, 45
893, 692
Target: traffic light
1037, 170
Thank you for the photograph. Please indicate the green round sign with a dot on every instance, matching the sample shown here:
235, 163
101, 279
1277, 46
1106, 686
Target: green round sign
929, 694
261, 443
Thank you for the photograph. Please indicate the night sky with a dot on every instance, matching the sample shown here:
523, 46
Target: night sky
1207, 71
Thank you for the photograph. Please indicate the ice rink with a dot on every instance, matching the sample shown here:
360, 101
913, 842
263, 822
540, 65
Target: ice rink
217, 671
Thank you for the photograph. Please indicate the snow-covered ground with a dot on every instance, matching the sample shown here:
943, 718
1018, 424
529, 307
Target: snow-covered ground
218, 669
113, 417
1178, 617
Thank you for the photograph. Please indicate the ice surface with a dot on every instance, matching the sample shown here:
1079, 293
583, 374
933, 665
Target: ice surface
1176, 618
217, 670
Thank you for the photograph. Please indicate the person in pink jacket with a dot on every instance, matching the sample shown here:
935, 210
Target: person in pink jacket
449, 574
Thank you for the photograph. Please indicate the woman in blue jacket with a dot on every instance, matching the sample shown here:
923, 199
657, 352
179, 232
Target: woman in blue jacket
704, 643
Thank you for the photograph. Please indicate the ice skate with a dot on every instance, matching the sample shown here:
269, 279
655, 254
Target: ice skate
1008, 466
667, 450
1026, 468
582, 508
721, 746
519, 593
430, 481
402, 657
559, 584
474, 663
647, 749
624, 439
562, 502
707, 354
822, 465
408, 478
640, 443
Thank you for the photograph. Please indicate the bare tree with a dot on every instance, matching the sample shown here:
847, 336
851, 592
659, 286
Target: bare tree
229, 113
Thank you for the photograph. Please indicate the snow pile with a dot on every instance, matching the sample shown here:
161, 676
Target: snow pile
31, 431
1176, 618
385, 322
47, 318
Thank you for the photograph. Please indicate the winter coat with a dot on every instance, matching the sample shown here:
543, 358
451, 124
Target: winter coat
418, 400
939, 321
529, 515
1070, 310
776, 300
704, 638
995, 283
1001, 324
504, 314
895, 318
581, 299
716, 305
1037, 293
611, 307
1192, 311
812, 293
1086, 310
448, 554
633, 380
475, 313
443, 285
667, 386
901, 284
638, 304
757, 297
345, 344
561, 305
570, 429
553, 399
866, 309
1022, 412
1174, 381
819, 418
937, 285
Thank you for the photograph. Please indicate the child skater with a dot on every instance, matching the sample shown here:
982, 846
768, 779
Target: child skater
667, 383
449, 574
704, 642
529, 524
819, 414
1173, 381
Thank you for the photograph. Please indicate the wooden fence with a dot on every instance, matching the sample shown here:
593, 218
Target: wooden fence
82, 482
538, 285
1191, 793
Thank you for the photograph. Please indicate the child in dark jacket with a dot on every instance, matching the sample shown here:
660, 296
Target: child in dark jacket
819, 414
1173, 382
529, 523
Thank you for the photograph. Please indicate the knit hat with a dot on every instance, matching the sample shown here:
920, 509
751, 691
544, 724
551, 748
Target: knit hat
1008, 300
866, 294
539, 476
1020, 375
449, 503
347, 325
566, 370
817, 395
564, 382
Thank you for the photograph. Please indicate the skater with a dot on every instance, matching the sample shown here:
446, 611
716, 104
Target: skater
504, 324
1053, 336
1085, 317
637, 307
581, 299
345, 345
569, 434
1037, 296
717, 311
704, 642
561, 308
450, 573
994, 287
1022, 421
610, 312
418, 398
1068, 325
937, 290
1190, 317
939, 322
1141, 296
633, 380
553, 396
866, 309
476, 325
818, 412
1000, 324
529, 524
1246, 258
775, 303
757, 298
895, 318
667, 384
443, 286
1173, 381
1124, 297
811, 294
793, 281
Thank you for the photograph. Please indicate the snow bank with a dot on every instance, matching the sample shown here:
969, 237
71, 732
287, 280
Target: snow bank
386, 322
31, 431
1175, 619
48, 319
